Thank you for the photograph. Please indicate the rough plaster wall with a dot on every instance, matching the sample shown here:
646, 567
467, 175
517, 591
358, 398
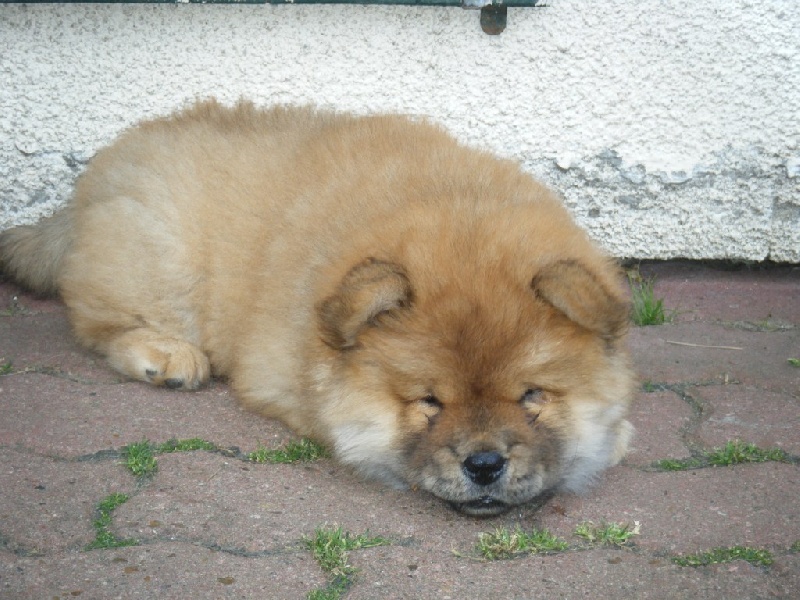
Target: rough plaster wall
670, 127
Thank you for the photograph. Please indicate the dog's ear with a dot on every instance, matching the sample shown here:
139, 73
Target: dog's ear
583, 297
369, 289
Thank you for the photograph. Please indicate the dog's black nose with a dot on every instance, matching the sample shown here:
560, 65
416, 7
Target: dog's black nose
484, 467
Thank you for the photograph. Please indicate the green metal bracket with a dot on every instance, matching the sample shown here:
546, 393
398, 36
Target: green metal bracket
494, 13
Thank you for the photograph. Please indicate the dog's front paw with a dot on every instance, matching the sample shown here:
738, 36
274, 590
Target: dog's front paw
148, 356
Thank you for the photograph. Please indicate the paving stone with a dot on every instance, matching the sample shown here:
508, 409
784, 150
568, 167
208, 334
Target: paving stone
716, 354
706, 293
659, 419
690, 511
210, 499
47, 504
170, 570
760, 417
408, 573
54, 415
16, 301
785, 574
44, 343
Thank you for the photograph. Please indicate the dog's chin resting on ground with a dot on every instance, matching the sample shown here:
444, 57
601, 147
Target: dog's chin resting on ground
426, 310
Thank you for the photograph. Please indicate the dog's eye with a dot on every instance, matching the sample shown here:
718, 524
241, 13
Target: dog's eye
430, 406
532, 396
431, 401
532, 401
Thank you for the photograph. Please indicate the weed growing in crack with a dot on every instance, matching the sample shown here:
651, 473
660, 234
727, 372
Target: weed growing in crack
795, 547
647, 309
104, 538
140, 457
330, 546
503, 544
755, 556
14, 308
736, 452
333, 591
6, 367
795, 362
607, 534
678, 464
188, 445
648, 387
303, 451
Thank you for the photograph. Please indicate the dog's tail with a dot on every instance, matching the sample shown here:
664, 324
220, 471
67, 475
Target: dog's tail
32, 254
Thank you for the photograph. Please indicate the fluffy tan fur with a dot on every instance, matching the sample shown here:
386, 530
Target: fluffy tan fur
427, 310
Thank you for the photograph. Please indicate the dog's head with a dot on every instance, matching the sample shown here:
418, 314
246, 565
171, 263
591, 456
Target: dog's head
482, 386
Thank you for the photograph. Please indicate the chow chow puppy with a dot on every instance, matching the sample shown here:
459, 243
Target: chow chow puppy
428, 311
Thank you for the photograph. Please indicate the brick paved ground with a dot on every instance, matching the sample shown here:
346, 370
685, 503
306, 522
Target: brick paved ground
211, 524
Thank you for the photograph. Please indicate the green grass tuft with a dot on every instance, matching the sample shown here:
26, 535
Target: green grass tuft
104, 538
736, 452
795, 547
754, 556
647, 309
503, 544
330, 546
333, 591
6, 366
303, 451
140, 459
606, 534
795, 362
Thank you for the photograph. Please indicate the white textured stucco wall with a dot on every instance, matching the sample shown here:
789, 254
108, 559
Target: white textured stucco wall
672, 128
